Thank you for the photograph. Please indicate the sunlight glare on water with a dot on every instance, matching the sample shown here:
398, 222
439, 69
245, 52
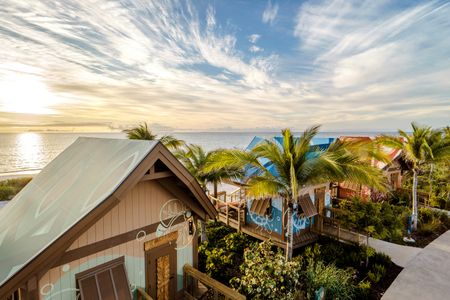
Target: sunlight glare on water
29, 149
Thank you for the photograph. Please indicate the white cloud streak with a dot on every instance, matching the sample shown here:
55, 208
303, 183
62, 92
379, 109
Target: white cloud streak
270, 13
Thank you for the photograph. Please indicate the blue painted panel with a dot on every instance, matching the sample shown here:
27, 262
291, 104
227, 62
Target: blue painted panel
264, 223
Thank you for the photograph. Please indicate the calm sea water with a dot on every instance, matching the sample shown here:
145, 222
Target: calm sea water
32, 151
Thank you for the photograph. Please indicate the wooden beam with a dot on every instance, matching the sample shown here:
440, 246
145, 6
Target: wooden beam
108, 243
157, 175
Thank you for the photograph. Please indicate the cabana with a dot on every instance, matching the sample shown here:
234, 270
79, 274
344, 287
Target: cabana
266, 218
394, 170
105, 219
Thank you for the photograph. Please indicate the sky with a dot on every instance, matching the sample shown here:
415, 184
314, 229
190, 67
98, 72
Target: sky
103, 65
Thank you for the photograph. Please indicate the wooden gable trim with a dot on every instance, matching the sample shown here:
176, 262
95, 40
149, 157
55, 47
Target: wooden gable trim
171, 186
187, 179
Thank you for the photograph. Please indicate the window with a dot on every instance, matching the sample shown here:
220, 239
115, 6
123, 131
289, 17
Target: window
105, 282
262, 207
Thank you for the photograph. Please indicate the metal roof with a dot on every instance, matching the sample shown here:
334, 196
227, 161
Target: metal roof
65, 191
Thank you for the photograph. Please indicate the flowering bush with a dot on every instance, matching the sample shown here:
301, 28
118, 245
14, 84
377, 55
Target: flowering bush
267, 274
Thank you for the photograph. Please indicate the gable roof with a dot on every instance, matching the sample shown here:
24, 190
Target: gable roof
86, 179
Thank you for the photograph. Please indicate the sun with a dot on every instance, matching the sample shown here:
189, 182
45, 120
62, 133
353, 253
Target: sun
25, 93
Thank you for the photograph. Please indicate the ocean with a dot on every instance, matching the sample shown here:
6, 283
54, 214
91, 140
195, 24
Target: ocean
31, 151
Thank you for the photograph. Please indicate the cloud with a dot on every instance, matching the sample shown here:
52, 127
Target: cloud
177, 64
270, 13
254, 38
254, 49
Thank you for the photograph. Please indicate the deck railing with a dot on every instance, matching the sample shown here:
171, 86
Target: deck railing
332, 227
231, 211
196, 284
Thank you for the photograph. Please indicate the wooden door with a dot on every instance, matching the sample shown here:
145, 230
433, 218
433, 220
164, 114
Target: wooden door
161, 271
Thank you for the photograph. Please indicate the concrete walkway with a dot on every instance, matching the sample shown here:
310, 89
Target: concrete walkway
400, 255
426, 276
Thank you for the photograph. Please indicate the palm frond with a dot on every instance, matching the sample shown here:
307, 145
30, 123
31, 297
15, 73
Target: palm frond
140, 132
171, 142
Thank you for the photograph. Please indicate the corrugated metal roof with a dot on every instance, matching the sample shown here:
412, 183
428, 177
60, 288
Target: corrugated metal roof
65, 191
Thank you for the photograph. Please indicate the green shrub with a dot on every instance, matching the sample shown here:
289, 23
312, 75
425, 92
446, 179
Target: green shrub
9, 188
267, 274
363, 289
221, 256
381, 220
338, 283
380, 258
6, 192
431, 221
376, 273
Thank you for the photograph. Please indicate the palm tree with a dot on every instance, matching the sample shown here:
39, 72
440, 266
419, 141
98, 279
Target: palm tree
297, 164
142, 132
424, 146
195, 159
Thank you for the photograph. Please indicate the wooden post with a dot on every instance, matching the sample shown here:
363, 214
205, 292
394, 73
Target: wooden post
239, 217
226, 211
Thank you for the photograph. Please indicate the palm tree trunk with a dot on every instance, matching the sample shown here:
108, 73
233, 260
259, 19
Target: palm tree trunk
215, 189
414, 200
290, 235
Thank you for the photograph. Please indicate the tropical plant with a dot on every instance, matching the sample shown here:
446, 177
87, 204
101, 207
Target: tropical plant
196, 160
221, 256
424, 146
142, 132
338, 283
267, 274
296, 164
381, 220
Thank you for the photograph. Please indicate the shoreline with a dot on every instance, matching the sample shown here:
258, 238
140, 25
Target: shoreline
19, 174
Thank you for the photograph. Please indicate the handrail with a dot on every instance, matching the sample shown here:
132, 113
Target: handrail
215, 285
142, 295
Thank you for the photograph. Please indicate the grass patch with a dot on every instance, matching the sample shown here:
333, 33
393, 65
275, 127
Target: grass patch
9, 188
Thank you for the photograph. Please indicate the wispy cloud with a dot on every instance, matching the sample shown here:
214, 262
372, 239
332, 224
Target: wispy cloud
356, 63
254, 38
254, 49
270, 13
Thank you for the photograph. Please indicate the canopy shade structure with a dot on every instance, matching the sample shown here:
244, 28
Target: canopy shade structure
65, 191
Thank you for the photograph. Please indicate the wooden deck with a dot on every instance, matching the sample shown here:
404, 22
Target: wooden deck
232, 210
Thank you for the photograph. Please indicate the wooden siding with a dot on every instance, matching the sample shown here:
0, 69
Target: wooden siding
133, 212
138, 208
